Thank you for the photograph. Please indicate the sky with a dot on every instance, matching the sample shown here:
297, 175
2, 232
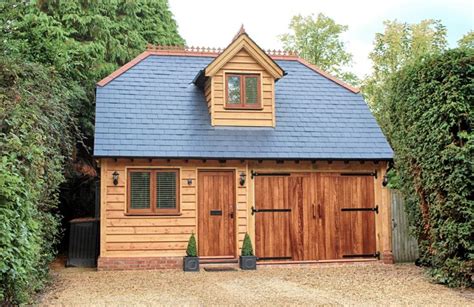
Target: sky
213, 23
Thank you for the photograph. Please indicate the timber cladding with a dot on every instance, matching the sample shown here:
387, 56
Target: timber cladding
124, 235
242, 63
360, 232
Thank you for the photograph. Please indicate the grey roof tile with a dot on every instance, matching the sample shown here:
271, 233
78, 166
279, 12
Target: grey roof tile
154, 110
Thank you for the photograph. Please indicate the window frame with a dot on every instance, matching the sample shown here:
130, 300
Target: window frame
243, 104
153, 210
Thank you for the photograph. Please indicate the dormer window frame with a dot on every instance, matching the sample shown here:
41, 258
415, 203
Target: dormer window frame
243, 105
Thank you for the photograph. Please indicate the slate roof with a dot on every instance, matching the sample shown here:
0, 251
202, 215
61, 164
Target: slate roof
154, 110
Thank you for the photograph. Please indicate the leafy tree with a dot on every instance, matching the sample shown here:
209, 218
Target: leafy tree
467, 41
84, 40
37, 132
51, 55
431, 115
318, 40
400, 44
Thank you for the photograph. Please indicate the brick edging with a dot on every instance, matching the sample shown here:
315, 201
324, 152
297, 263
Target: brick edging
138, 263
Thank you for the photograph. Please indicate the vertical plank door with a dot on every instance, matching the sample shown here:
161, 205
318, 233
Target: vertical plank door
347, 222
216, 214
272, 219
279, 220
357, 216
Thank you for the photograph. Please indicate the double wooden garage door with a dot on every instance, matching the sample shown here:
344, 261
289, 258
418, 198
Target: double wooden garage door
314, 216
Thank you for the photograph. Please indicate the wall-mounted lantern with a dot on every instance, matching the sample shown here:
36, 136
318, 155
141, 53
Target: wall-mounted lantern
242, 179
190, 181
115, 177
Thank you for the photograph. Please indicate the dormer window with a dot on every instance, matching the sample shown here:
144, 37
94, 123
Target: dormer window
243, 91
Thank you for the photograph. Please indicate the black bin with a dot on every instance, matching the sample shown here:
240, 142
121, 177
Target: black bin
83, 242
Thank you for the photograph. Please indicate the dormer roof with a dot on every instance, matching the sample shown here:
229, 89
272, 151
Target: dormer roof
243, 41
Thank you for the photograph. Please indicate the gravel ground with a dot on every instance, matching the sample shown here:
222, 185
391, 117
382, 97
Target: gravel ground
355, 284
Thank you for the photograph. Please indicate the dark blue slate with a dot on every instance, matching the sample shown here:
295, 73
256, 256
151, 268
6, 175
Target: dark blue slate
154, 110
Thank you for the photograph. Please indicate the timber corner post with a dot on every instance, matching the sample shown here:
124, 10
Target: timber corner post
386, 216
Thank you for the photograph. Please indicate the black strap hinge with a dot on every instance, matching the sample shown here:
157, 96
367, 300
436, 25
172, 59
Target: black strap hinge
374, 173
254, 174
254, 210
376, 209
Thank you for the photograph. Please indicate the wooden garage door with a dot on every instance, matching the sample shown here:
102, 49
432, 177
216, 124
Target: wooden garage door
347, 224
279, 203
314, 216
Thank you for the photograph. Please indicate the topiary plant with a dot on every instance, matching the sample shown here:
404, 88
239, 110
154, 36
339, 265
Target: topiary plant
247, 249
191, 250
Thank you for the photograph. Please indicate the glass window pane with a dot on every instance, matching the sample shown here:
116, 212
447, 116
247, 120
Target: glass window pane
233, 90
139, 190
251, 87
166, 190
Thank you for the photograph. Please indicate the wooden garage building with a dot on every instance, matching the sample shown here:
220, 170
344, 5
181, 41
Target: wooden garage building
224, 142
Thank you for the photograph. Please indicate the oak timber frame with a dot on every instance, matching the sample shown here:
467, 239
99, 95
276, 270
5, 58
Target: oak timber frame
166, 236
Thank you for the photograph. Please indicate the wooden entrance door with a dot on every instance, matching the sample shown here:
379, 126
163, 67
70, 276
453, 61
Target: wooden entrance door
216, 213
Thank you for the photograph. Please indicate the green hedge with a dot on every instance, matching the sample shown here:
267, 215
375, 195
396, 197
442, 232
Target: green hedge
35, 138
431, 119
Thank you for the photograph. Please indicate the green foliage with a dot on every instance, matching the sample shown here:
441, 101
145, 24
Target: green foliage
393, 179
247, 249
399, 45
467, 41
431, 115
74, 44
84, 40
36, 137
318, 40
191, 250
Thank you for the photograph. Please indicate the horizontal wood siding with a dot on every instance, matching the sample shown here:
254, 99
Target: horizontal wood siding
244, 63
208, 94
123, 235
157, 236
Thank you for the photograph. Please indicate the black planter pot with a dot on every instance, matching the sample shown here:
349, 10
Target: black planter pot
191, 264
248, 262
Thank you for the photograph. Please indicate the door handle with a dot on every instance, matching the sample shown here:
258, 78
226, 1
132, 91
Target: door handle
314, 211
319, 211
231, 215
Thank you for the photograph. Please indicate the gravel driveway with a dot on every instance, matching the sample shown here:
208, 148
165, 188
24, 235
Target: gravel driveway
354, 284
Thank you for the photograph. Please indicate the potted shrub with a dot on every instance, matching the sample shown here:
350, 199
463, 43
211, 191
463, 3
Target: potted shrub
191, 260
248, 261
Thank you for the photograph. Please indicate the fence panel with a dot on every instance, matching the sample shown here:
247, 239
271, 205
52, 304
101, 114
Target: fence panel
404, 245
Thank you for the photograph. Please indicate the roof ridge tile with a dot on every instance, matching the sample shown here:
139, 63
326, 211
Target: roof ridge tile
182, 50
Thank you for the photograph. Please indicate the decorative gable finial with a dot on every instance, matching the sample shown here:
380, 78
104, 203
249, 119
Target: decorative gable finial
241, 31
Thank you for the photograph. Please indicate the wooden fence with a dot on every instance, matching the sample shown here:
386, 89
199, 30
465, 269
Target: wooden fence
404, 245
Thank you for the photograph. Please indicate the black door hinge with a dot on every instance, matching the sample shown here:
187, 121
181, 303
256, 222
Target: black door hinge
254, 174
254, 210
376, 209
374, 173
